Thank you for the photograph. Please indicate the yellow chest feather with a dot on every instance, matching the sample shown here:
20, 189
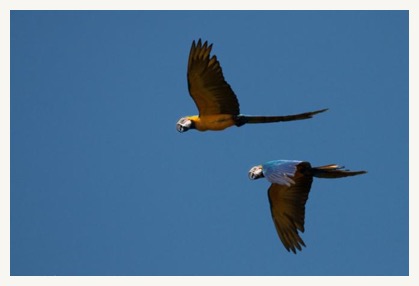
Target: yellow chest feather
212, 122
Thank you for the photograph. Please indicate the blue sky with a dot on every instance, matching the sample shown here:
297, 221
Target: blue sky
103, 184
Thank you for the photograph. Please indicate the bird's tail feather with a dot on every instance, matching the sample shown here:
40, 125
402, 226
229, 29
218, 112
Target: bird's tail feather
333, 171
267, 119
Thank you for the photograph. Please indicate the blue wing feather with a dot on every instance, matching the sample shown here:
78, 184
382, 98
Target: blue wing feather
280, 171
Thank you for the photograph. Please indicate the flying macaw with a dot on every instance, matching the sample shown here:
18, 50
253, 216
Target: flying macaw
291, 182
217, 104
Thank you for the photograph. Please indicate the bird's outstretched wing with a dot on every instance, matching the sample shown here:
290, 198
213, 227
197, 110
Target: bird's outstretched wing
288, 210
206, 83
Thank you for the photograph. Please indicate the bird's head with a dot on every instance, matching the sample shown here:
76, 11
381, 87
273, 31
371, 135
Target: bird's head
256, 172
184, 124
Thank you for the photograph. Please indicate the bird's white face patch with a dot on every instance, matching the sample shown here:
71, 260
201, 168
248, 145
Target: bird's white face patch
256, 172
183, 124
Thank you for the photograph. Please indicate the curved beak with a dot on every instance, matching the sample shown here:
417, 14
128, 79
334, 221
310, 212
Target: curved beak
184, 124
256, 172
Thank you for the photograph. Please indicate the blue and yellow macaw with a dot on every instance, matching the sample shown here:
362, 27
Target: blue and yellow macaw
290, 184
217, 104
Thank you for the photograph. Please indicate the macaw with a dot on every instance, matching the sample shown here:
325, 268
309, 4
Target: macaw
290, 184
217, 104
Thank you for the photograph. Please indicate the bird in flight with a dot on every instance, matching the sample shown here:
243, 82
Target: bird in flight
217, 104
290, 184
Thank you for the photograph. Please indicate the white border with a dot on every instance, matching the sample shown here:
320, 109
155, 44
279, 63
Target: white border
6, 6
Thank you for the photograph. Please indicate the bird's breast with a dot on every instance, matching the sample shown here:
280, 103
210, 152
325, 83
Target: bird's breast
213, 122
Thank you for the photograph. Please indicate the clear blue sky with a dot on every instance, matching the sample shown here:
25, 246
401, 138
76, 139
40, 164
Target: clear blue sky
103, 184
